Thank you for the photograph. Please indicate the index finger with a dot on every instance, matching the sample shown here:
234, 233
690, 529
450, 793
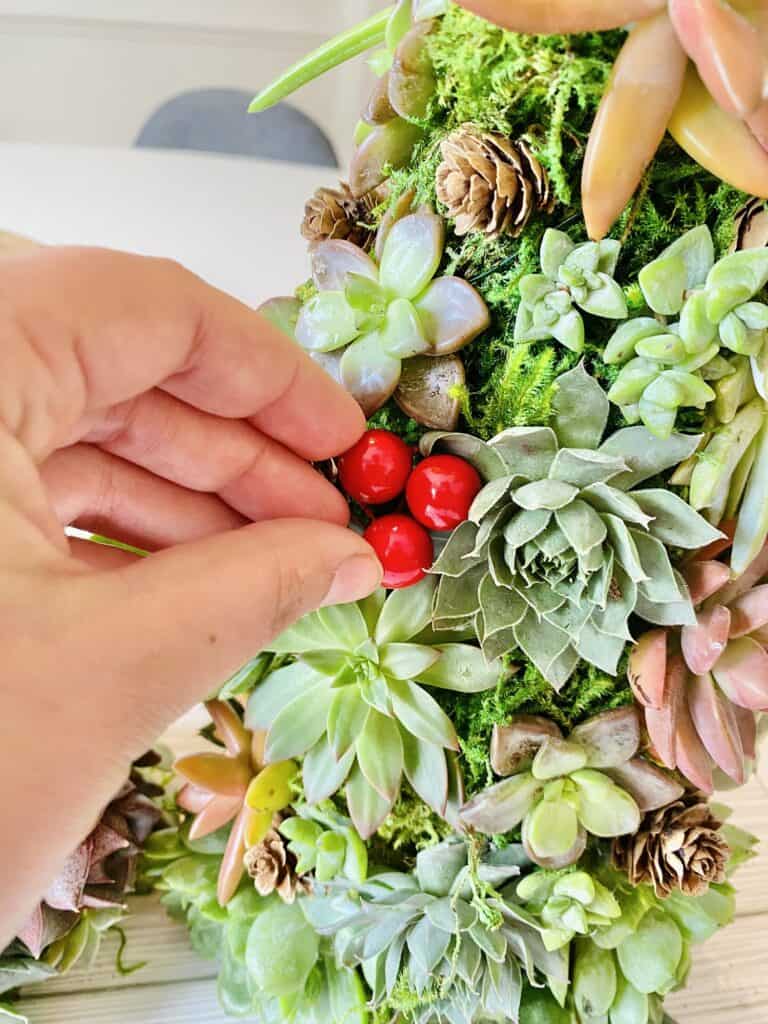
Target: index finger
108, 326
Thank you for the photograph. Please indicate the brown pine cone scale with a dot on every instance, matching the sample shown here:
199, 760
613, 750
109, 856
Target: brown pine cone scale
336, 214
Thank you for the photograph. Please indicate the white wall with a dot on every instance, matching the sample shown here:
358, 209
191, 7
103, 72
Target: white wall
92, 71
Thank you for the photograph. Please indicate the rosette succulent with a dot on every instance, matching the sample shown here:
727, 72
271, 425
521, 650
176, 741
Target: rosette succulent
561, 546
562, 790
234, 786
452, 932
354, 702
573, 277
326, 843
701, 687
569, 903
366, 319
669, 364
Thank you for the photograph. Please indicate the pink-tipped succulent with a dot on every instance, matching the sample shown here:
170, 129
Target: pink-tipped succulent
233, 786
102, 870
694, 67
701, 686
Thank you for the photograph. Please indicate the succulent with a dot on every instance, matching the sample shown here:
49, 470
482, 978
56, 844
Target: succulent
701, 686
560, 790
621, 973
233, 786
88, 895
354, 702
326, 843
712, 104
569, 903
561, 547
573, 277
365, 320
452, 932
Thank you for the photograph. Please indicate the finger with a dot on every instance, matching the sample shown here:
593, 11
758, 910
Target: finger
254, 474
86, 329
203, 609
101, 493
101, 557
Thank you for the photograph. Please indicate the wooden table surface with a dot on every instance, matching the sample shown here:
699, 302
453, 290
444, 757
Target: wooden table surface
235, 222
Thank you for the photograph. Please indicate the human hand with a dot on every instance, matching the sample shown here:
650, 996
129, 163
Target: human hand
136, 401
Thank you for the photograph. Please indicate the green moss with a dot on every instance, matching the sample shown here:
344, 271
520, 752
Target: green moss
412, 826
588, 692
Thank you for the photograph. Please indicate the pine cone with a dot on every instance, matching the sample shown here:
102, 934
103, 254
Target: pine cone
272, 867
489, 183
678, 847
335, 213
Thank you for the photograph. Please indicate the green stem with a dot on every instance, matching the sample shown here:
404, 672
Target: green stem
336, 51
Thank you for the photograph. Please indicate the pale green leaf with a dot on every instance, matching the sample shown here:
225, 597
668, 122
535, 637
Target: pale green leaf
278, 690
407, 661
322, 773
463, 669
674, 522
299, 724
421, 715
380, 754
406, 612
346, 718
412, 254
326, 322
366, 807
426, 770
580, 408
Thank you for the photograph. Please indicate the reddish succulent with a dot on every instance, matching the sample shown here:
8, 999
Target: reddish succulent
701, 685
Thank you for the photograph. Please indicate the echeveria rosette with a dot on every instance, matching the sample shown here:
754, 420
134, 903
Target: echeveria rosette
668, 365
354, 704
573, 277
365, 320
561, 546
562, 790
568, 903
702, 687
452, 932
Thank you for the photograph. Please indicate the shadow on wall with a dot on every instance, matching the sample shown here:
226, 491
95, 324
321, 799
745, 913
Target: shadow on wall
217, 121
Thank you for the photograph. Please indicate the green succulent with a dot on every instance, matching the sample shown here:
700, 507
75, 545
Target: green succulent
451, 935
353, 704
272, 964
324, 841
669, 364
561, 547
569, 903
573, 277
562, 790
622, 973
365, 319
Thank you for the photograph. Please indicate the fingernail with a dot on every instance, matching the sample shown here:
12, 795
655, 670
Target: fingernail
356, 578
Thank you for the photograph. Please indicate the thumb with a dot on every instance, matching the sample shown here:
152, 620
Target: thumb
167, 629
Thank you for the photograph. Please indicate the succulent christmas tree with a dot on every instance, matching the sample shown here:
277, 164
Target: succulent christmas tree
353, 704
562, 547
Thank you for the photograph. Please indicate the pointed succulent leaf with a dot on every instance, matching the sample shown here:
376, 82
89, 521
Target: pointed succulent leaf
648, 667
438, 867
367, 808
703, 643
645, 455
752, 525
407, 660
568, 329
389, 145
683, 266
743, 272
545, 494
307, 635
674, 522
346, 623
582, 468
556, 246
607, 300
452, 314
380, 754
503, 806
583, 527
333, 262
426, 769
660, 585
609, 739
421, 715
278, 690
604, 809
406, 612
742, 673
463, 669
272, 788
326, 322
580, 409
299, 724
526, 451
346, 718
485, 459
323, 774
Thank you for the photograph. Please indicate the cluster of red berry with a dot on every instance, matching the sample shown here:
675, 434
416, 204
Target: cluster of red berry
438, 493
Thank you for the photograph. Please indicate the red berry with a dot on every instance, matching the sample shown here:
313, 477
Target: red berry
376, 469
440, 491
403, 547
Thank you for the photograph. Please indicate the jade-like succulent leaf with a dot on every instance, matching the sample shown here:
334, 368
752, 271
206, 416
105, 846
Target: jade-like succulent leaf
452, 314
609, 739
556, 246
683, 266
551, 829
389, 145
412, 254
402, 334
503, 806
556, 757
333, 261
608, 300
650, 956
369, 373
604, 809
326, 322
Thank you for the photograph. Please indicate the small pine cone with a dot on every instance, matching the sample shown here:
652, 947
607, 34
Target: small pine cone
335, 213
679, 847
489, 183
273, 868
